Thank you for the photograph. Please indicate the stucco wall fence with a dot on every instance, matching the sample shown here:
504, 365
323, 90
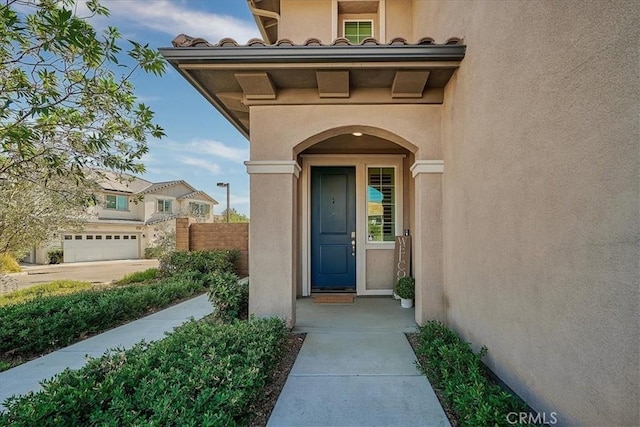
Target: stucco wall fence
194, 236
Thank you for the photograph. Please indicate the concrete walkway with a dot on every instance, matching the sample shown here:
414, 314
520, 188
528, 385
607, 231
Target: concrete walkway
27, 377
356, 368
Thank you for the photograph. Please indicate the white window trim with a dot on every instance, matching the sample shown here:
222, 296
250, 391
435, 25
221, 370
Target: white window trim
345, 21
382, 18
361, 165
398, 204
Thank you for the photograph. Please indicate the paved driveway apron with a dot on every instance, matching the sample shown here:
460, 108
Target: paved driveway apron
94, 272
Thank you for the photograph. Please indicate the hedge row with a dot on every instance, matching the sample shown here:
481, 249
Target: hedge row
202, 374
458, 372
199, 261
51, 322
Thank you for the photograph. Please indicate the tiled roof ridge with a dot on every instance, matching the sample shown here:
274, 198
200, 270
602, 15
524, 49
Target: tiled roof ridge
184, 40
160, 185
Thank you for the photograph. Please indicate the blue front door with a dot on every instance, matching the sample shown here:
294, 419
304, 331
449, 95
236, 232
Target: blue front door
333, 226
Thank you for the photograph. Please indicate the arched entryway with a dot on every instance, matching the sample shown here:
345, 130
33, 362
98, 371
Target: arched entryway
381, 145
354, 198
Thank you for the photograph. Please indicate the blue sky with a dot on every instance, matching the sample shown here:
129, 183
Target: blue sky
201, 147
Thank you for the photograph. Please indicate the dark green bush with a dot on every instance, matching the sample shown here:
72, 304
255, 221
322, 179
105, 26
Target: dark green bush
229, 297
50, 322
406, 287
202, 262
203, 374
454, 368
55, 256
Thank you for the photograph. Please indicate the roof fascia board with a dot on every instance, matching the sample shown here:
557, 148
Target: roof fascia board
321, 54
432, 65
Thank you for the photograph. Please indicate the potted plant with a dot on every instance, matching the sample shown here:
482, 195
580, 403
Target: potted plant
406, 290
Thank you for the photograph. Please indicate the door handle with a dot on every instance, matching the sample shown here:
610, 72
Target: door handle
353, 243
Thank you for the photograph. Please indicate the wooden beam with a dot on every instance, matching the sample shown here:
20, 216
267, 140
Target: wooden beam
256, 85
333, 84
409, 83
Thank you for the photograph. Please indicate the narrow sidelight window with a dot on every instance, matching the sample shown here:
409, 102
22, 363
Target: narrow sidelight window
381, 204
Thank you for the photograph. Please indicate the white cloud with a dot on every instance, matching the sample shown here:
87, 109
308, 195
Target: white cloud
218, 149
199, 163
200, 147
174, 18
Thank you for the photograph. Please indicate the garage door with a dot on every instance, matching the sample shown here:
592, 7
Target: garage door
99, 247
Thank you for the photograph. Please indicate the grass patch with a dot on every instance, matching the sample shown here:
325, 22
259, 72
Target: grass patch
59, 287
138, 277
48, 323
461, 379
204, 373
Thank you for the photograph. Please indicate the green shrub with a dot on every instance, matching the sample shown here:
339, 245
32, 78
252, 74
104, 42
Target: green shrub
58, 287
202, 262
55, 256
139, 276
406, 287
453, 367
229, 296
153, 252
8, 263
51, 322
201, 374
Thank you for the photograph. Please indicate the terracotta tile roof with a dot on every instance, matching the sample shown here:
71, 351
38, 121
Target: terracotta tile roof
184, 40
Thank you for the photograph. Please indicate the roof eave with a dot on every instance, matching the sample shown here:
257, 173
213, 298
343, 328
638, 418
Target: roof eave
183, 57
317, 54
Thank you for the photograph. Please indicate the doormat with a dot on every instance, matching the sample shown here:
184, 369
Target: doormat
333, 299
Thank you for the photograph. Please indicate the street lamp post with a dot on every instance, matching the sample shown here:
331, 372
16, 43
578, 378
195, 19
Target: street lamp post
225, 184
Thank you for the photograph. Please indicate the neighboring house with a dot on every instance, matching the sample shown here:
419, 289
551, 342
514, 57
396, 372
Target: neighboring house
508, 149
133, 212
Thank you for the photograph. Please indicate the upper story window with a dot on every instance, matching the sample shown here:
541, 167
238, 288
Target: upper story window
356, 31
164, 206
199, 209
119, 203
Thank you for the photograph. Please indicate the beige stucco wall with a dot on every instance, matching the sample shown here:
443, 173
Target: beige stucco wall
399, 20
380, 269
540, 193
303, 19
272, 244
415, 126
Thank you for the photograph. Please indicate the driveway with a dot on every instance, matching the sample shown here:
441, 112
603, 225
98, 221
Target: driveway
95, 272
